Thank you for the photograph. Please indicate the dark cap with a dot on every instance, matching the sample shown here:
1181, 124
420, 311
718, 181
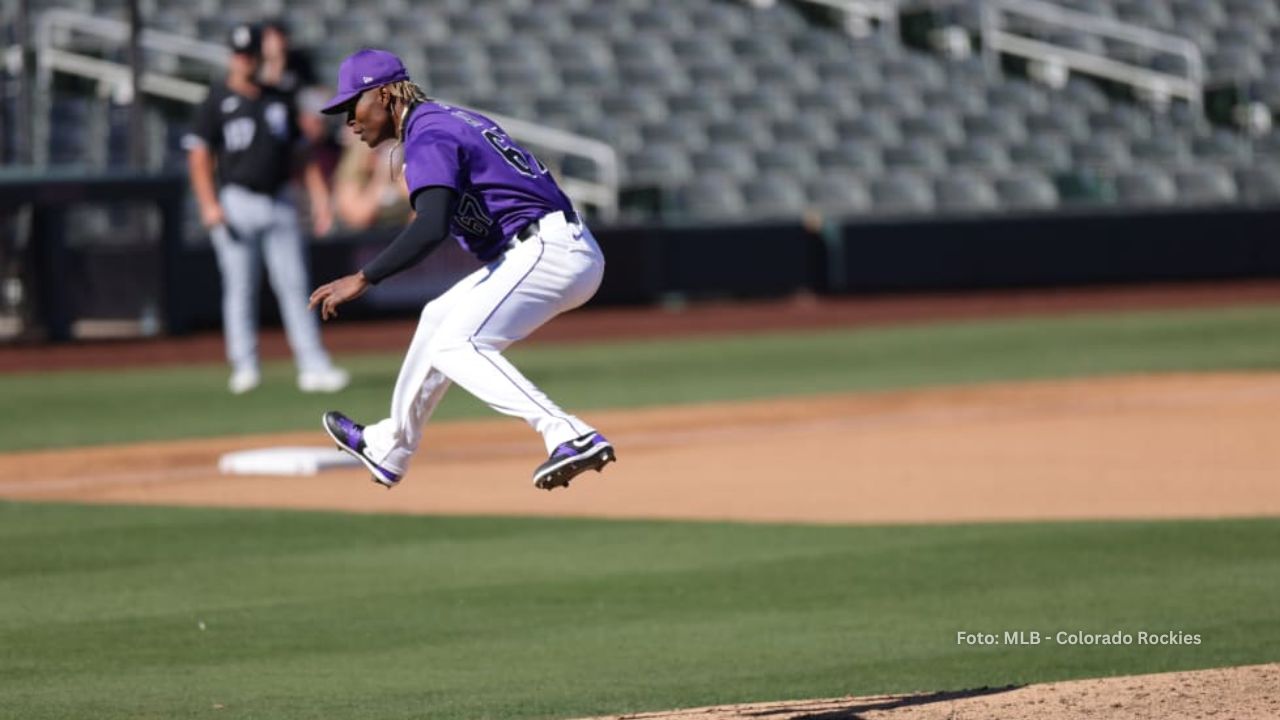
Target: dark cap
364, 70
245, 39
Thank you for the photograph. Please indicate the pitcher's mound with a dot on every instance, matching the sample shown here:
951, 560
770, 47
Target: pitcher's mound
1240, 693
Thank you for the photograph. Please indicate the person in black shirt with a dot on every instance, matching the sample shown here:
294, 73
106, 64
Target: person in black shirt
240, 155
284, 67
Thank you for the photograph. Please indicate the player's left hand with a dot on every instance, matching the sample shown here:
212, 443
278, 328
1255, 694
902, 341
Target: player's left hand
330, 295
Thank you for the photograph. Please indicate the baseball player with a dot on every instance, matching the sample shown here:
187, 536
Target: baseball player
467, 178
240, 155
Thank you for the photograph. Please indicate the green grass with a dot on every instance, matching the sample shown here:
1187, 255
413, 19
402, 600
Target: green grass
313, 615
79, 408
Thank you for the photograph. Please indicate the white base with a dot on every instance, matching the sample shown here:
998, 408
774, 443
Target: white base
284, 461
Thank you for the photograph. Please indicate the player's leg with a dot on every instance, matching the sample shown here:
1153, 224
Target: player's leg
386, 447
236, 246
550, 273
419, 389
460, 335
286, 260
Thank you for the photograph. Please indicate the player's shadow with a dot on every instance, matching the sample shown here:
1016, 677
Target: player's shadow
851, 711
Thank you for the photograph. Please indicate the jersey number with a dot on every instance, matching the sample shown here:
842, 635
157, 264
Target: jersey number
471, 216
238, 134
523, 162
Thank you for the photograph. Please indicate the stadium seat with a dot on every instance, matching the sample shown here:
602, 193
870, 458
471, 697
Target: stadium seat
1146, 187
635, 105
1161, 149
917, 154
895, 99
1101, 150
940, 124
1259, 184
700, 104
792, 157
1205, 184
775, 196
1043, 151
957, 99
814, 130
857, 155
707, 47
731, 160
1084, 94
841, 194
545, 25
662, 18
680, 130
1122, 119
871, 126
728, 77
622, 135
830, 102
659, 164
741, 130
965, 192
1017, 96
1005, 126
602, 20
902, 193
1026, 191
1221, 146
770, 101
984, 153
1072, 123
713, 197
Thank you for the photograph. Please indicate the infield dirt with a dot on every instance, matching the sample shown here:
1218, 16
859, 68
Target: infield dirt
1172, 446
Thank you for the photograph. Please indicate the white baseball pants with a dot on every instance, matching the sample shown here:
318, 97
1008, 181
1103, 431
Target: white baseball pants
265, 227
462, 333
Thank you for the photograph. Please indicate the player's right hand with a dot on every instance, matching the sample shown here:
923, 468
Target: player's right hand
329, 296
211, 216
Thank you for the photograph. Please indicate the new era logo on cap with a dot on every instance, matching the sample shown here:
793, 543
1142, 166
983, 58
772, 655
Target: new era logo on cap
367, 79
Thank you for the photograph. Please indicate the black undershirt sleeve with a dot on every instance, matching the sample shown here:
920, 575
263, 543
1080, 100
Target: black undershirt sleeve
435, 206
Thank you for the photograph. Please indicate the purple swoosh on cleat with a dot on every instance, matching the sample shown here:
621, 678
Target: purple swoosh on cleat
351, 432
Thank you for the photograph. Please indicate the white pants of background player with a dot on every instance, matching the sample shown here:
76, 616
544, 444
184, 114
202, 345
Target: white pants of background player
462, 333
265, 227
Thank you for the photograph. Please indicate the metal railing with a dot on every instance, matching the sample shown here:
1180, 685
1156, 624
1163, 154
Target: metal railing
999, 37
60, 32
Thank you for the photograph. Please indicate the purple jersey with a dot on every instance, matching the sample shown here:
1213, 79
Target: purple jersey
501, 186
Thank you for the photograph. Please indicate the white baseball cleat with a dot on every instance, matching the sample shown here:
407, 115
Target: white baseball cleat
324, 381
242, 381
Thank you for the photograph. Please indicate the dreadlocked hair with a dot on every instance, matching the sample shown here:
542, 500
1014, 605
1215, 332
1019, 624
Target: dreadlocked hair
409, 95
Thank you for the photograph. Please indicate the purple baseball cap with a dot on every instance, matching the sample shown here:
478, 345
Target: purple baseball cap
364, 70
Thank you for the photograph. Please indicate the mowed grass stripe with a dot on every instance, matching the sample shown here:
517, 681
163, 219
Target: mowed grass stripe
81, 408
326, 615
